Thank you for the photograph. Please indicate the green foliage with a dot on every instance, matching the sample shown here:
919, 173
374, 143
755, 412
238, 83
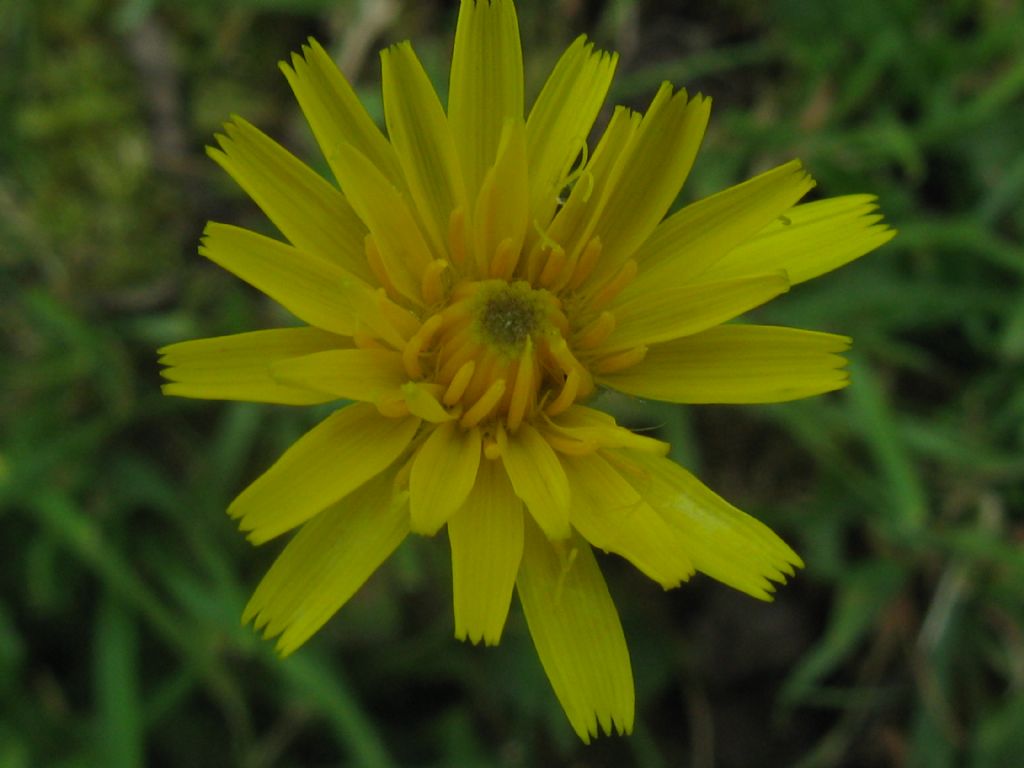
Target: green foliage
123, 580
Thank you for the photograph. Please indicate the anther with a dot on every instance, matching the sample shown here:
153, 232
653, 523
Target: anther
459, 383
363, 340
432, 284
585, 263
491, 448
537, 257
613, 287
553, 267
373, 258
571, 447
503, 265
483, 407
457, 345
621, 361
567, 396
463, 290
563, 356
596, 331
411, 351
523, 388
392, 407
557, 317
401, 480
457, 237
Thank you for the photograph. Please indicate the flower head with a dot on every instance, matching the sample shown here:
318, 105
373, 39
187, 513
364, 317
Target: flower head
472, 280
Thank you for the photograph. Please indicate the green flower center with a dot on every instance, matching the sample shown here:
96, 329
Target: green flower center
511, 313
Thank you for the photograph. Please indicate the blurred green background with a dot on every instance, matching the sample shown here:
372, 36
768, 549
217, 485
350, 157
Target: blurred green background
901, 644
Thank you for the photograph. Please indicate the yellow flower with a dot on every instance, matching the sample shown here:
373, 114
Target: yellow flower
475, 279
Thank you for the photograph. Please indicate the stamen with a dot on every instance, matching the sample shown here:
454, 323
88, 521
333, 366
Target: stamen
492, 450
613, 287
585, 263
412, 350
567, 396
487, 372
483, 407
619, 461
453, 313
363, 340
484, 219
392, 407
553, 267
587, 385
522, 389
503, 265
456, 353
571, 447
620, 361
457, 345
557, 317
596, 331
459, 383
373, 258
463, 291
457, 237
545, 238
536, 257
401, 480
563, 356
432, 285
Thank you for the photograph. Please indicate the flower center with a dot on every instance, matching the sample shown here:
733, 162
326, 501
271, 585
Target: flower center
510, 314
490, 343
497, 352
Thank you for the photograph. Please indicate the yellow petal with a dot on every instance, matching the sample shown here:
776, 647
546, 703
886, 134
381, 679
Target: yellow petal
316, 291
723, 542
395, 232
335, 113
312, 214
238, 367
809, 240
502, 209
592, 427
660, 159
690, 241
575, 221
486, 536
577, 633
611, 515
561, 119
680, 311
738, 364
329, 559
355, 374
419, 132
326, 464
486, 86
442, 476
538, 479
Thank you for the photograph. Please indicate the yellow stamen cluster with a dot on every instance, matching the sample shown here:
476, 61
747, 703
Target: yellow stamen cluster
505, 338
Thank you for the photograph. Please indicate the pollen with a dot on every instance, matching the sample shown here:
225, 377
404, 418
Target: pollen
497, 353
510, 315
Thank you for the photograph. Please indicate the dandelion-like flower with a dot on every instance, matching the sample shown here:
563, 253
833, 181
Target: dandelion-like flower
471, 282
